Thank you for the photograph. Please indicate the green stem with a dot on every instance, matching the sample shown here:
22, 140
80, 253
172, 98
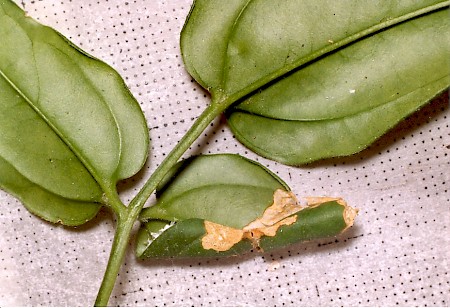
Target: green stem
127, 218
118, 249
208, 115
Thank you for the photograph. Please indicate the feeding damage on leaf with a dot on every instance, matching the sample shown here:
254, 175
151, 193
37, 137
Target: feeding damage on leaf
281, 213
243, 207
222, 238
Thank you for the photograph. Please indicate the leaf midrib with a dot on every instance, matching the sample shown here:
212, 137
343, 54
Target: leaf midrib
43, 188
71, 147
349, 115
231, 98
3, 75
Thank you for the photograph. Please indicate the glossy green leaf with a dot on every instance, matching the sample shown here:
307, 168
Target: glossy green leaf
215, 188
69, 127
41, 202
229, 193
317, 79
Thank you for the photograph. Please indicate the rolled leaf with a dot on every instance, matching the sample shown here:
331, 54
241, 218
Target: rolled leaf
68, 125
317, 79
180, 240
221, 205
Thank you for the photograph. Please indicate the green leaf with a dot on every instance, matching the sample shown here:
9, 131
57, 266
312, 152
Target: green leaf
214, 187
41, 202
221, 205
183, 239
70, 128
317, 79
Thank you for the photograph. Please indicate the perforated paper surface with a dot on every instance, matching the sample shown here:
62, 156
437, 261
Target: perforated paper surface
397, 254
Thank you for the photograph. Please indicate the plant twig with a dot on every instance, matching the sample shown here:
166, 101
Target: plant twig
126, 222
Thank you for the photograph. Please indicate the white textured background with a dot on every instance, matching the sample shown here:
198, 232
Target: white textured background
396, 255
